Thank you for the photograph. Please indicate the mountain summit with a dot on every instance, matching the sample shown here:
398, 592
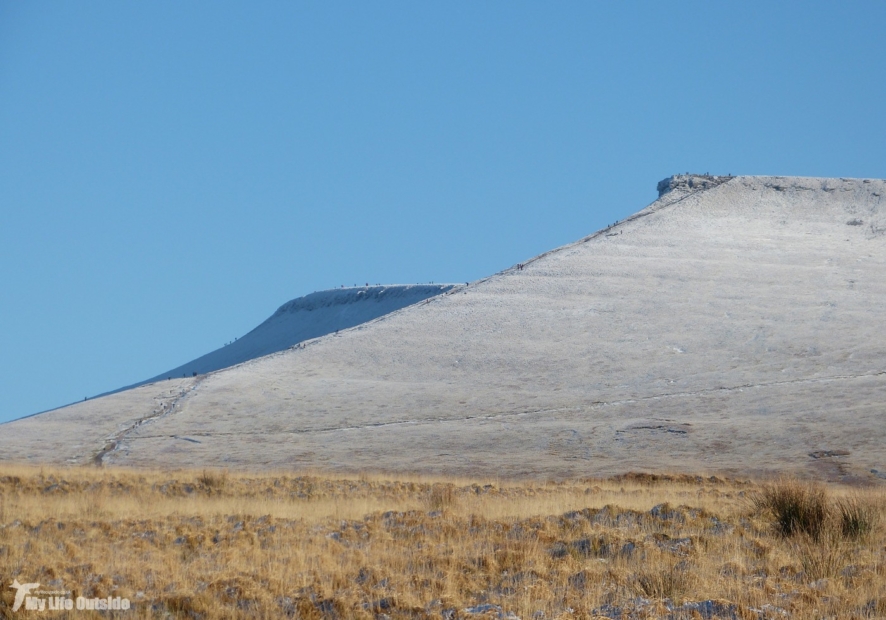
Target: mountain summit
732, 326
308, 317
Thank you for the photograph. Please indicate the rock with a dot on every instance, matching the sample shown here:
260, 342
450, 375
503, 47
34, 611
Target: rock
363, 576
771, 611
826, 454
608, 611
494, 610
381, 605
558, 550
583, 546
689, 182
721, 610
665, 512
578, 580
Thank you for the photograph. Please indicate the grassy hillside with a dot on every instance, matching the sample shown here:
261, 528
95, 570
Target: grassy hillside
209, 544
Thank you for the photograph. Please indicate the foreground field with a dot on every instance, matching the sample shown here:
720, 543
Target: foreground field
221, 545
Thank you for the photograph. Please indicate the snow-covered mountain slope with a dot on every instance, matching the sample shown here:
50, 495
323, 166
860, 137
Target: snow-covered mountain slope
304, 318
735, 325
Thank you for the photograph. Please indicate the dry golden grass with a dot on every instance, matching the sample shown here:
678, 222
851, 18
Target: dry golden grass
210, 544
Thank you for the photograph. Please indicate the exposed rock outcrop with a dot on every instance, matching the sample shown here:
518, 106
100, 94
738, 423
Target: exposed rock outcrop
689, 182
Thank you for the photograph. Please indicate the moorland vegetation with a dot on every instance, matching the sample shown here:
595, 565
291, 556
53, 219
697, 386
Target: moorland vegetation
216, 544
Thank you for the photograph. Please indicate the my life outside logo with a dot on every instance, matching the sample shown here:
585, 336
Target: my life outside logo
59, 600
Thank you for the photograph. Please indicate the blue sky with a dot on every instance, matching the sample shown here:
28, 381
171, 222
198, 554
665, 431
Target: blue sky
172, 172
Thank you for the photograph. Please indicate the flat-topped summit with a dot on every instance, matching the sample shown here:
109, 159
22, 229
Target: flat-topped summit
308, 317
393, 295
733, 327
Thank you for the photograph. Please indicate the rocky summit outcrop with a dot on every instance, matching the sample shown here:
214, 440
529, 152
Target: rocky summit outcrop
689, 182
732, 326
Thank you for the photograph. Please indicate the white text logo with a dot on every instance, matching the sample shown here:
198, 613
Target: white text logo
62, 603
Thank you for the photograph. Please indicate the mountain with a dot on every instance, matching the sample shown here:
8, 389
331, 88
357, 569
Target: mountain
732, 326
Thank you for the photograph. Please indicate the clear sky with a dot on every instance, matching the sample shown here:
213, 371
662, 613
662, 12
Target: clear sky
172, 172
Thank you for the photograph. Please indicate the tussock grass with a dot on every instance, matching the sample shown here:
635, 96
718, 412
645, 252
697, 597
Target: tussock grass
859, 516
213, 481
441, 496
796, 507
215, 544
824, 557
671, 580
